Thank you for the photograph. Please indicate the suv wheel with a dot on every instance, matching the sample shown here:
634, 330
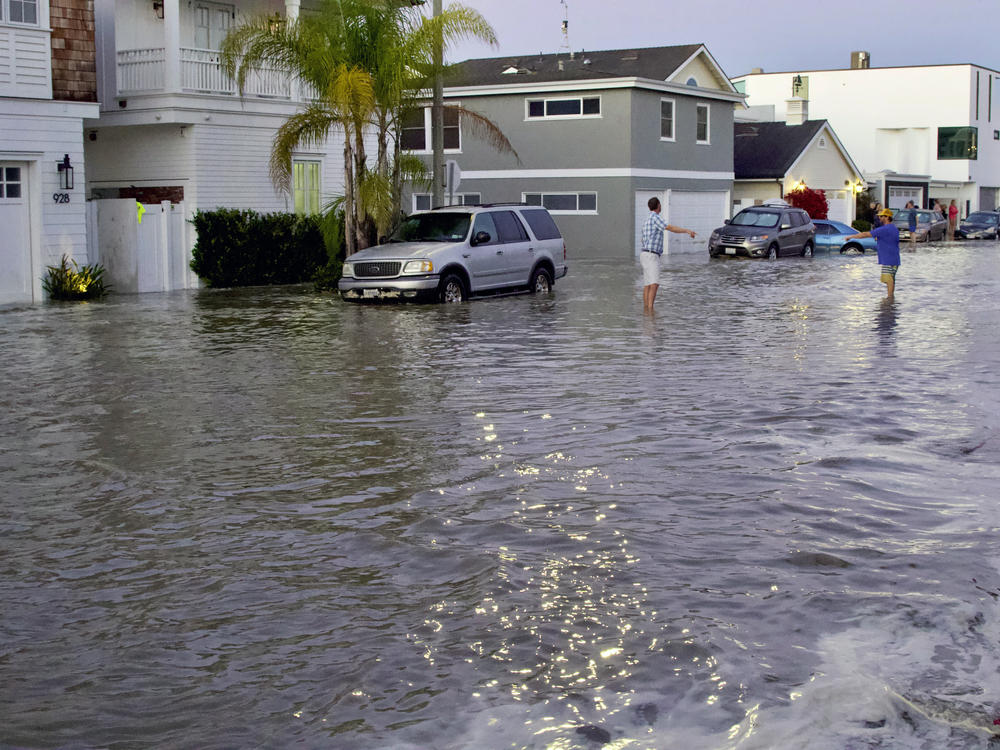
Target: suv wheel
452, 289
541, 281
807, 250
772, 252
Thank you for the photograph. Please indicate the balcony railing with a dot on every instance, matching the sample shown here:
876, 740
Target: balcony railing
143, 70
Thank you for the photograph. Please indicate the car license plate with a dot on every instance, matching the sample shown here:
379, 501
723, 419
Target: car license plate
730, 251
370, 293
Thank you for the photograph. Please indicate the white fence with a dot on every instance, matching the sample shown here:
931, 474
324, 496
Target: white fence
142, 250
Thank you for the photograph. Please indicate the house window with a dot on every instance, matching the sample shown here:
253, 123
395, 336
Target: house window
563, 203
20, 11
305, 187
701, 127
822, 142
958, 143
415, 130
422, 201
585, 106
10, 182
667, 119
692, 81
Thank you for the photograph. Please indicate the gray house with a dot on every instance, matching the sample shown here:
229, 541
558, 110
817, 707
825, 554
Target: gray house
597, 134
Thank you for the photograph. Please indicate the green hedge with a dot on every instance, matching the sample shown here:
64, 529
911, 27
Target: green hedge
245, 248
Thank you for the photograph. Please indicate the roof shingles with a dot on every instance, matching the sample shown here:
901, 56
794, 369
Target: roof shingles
767, 150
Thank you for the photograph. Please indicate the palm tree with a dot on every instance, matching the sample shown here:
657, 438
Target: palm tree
362, 64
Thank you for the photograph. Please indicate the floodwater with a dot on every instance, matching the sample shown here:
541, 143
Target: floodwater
766, 517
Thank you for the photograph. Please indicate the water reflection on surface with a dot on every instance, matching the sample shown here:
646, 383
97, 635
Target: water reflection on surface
763, 517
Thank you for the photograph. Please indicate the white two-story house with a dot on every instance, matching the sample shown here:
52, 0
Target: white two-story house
921, 133
173, 127
47, 89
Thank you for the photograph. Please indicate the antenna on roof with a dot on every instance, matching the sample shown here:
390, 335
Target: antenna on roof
565, 25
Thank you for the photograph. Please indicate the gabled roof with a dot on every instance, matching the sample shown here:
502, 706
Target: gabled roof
767, 150
656, 63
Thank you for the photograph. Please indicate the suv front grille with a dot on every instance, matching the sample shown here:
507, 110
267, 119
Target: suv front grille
732, 239
372, 270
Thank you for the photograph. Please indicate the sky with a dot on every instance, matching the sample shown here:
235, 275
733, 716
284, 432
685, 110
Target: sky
776, 35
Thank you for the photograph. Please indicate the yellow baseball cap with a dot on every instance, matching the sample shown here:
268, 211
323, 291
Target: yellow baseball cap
885, 212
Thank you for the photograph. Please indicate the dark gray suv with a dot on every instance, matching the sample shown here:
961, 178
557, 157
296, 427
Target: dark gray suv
448, 254
769, 230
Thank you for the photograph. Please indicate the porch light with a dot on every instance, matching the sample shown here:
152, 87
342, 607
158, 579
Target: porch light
65, 173
158, 8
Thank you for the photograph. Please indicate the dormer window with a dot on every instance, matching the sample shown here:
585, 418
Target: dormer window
692, 81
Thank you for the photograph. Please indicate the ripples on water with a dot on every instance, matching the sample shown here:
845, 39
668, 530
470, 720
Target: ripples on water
764, 518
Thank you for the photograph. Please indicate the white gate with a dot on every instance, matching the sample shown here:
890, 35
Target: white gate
144, 247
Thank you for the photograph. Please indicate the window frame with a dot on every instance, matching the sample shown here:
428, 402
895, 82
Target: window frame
309, 193
972, 143
5, 15
6, 180
428, 142
673, 120
546, 99
563, 212
708, 124
477, 198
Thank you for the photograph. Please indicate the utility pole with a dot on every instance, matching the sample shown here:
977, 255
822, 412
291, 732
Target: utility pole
437, 120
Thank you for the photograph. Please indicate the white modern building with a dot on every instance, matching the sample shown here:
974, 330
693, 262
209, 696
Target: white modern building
922, 133
47, 89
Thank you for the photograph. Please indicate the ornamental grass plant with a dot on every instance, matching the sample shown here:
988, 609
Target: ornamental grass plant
69, 281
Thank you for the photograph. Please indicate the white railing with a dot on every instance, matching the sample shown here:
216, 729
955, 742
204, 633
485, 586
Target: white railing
201, 72
140, 69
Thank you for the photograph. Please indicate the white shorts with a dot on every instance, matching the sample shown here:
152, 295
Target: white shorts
650, 268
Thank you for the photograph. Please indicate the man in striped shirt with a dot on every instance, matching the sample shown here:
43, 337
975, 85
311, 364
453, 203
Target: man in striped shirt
652, 251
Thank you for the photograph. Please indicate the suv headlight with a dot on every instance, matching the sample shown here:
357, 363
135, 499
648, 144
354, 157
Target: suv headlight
759, 237
347, 270
418, 266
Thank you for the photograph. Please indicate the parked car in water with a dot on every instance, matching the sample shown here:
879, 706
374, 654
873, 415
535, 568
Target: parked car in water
979, 225
771, 229
449, 254
930, 225
832, 237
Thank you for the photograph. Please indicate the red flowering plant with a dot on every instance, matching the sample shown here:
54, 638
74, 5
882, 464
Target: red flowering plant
813, 202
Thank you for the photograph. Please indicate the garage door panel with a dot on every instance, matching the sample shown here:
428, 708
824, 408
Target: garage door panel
701, 211
15, 249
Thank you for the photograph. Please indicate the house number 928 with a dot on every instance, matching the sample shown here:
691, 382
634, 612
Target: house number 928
60, 197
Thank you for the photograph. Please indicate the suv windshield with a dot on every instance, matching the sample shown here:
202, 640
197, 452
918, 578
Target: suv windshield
982, 218
756, 219
432, 227
902, 216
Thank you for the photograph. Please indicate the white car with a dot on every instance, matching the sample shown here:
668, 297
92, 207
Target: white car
449, 254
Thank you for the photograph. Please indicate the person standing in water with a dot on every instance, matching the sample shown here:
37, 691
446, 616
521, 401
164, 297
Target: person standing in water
652, 251
887, 247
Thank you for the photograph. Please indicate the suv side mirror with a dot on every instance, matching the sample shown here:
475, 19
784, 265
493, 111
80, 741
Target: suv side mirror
481, 238
726, 221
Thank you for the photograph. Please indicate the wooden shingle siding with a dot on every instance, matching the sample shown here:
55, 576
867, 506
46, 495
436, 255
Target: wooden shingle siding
74, 66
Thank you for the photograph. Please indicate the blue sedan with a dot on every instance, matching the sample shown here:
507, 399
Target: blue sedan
832, 237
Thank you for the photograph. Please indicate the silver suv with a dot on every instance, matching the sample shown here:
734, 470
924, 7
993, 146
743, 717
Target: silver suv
448, 254
768, 230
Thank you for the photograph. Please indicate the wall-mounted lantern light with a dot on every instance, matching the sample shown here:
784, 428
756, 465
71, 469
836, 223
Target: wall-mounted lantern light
158, 8
65, 173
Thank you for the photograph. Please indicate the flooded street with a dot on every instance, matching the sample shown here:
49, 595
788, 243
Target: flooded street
765, 518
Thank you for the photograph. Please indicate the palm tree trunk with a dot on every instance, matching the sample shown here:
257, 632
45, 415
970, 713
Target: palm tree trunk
350, 238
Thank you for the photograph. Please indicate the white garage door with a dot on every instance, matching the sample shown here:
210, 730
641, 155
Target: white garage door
898, 196
15, 245
700, 211
838, 209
